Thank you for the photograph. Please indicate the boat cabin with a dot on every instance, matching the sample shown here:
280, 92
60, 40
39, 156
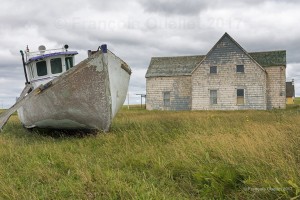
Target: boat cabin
45, 65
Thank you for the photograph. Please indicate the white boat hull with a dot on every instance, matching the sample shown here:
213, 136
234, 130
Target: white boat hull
88, 96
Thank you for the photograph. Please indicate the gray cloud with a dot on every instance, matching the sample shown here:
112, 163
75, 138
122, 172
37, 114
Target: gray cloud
174, 7
195, 7
137, 30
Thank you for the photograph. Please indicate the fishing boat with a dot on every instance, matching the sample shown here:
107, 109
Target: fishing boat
61, 95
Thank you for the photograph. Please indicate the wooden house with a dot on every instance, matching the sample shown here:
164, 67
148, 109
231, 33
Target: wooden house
226, 78
290, 92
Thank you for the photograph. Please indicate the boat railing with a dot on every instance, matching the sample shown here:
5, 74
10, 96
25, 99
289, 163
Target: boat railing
30, 54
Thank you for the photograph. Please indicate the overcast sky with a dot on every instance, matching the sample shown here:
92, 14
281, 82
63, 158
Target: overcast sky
137, 30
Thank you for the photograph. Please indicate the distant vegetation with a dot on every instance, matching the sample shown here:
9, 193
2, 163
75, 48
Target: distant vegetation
297, 100
158, 155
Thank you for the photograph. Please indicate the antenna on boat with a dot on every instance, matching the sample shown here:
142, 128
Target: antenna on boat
42, 49
66, 47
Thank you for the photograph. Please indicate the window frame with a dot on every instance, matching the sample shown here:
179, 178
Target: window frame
167, 98
239, 97
213, 69
213, 99
239, 71
71, 58
38, 66
30, 68
51, 65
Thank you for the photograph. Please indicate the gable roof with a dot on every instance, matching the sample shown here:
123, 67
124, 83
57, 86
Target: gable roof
226, 35
173, 66
185, 65
290, 89
270, 58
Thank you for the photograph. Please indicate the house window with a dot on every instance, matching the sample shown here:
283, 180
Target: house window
240, 93
213, 97
166, 98
69, 62
213, 70
56, 65
41, 68
240, 68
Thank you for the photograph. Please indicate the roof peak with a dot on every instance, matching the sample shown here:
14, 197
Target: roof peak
177, 56
185, 65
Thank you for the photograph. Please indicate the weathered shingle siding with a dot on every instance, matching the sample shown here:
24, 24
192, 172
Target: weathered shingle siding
189, 82
226, 55
276, 91
179, 88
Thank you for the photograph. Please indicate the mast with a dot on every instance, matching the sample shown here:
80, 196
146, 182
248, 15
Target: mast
24, 67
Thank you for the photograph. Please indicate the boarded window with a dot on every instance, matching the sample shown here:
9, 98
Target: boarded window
41, 68
69, 62
166, 98
213, 97
240, 68
56, 65
240, 93
213, 70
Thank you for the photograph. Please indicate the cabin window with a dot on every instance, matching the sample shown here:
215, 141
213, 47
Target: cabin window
240, 93
56, 65
213, 70
213, 97
166, 98
69, 62
240, 68
41, 68
30, 69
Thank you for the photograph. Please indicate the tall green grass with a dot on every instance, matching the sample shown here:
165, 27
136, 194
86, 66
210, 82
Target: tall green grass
158, 155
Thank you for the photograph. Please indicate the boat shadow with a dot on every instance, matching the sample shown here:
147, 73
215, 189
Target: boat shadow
63, 133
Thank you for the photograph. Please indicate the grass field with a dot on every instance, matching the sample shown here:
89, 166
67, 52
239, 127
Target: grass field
158, 155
